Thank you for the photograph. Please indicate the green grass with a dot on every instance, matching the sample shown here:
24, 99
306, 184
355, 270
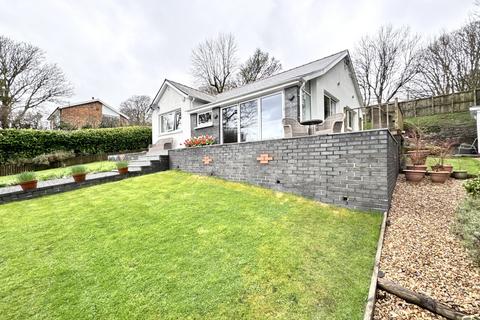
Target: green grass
472, 165
100, 166
435, 122
177, 246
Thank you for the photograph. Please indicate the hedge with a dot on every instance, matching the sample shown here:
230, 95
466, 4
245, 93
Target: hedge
27, 143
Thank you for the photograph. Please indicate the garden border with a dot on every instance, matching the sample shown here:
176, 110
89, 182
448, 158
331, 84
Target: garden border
372, 292
69, 186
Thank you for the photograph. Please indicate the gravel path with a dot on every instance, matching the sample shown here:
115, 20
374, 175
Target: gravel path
54, 182
421, 253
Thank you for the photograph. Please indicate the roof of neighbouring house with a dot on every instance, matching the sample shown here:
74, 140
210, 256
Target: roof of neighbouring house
87, 102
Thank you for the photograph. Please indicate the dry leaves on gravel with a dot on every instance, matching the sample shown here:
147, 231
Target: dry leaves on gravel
421, 253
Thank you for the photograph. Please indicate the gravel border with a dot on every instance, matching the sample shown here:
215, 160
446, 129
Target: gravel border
421, 253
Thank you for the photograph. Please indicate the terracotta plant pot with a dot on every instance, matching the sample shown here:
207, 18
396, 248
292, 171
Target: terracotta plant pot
123, 170
439, 176
29, 185
418, 157
460, 174
79, 177
421, 167
445, 167
414, 175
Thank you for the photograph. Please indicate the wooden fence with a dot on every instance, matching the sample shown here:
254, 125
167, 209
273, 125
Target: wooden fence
9, 169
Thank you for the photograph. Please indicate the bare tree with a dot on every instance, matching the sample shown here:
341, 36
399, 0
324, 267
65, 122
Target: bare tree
259, 66
451, 62
214, 63
27, 81
386, 62
136, 108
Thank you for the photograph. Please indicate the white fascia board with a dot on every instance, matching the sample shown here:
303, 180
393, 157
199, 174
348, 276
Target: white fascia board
210, 106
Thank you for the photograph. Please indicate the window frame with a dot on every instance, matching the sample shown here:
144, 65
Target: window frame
175, 128
349, 121
259, 115
327, 95
206, 124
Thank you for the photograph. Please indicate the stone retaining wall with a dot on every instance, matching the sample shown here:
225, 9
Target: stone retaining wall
356, 170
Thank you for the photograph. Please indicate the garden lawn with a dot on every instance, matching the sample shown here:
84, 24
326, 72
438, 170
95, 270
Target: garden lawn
434, 123
101, 166
173, 245
472, 165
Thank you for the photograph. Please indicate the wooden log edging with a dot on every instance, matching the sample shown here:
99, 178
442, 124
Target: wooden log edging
372, 292
423, 301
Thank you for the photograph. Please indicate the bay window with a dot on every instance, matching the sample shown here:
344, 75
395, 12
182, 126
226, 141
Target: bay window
171, 121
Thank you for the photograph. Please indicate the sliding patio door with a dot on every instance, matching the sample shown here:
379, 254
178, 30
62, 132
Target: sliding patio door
230, 124
272, 127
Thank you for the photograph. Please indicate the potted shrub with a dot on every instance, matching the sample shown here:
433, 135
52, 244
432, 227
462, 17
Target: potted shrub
444, 150
414, 175
122, 167
27, 180
419, 155
78, 173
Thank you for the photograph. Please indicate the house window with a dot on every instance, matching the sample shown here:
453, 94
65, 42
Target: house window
306, 99
329, 106
349, 114
253, 120
171, 121
249, 121
204, 119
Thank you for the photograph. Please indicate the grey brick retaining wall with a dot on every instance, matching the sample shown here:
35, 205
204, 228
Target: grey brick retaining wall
355, 170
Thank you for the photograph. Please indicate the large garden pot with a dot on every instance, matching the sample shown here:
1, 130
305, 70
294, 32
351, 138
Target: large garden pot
414, 175
439, 176
421, 167
418, 156
29, 185
445, 167
123, 170
79, 177
460, 174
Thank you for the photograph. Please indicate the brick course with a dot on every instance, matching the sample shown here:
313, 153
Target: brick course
356, 170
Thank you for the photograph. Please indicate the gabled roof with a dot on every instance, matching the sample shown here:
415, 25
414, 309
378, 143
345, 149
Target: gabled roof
302, 73
87, 102
193, 92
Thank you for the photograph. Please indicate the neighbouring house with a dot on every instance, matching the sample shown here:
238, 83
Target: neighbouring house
319, 97
93, 114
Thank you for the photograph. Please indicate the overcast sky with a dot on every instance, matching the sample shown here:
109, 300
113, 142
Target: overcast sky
113, 49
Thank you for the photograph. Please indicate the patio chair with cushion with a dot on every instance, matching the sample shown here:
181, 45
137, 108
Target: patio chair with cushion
293, 128
332, 124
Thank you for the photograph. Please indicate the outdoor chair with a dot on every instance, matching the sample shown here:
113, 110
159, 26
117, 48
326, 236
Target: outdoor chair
466, 148
332, 124
293, 128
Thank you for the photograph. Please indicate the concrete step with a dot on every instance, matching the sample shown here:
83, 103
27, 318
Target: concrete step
159, 152
140, 163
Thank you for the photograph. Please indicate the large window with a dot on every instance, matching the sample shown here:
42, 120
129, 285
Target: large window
306, 98
253, 120
249, 121
204, 119
329, 106
272, 117
230, 124
171, 121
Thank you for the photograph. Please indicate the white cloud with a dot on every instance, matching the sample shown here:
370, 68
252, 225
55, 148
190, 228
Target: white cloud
114, 49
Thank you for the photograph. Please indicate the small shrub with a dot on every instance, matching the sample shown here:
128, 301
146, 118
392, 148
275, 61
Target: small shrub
473, 187
467, 226
78, 170
26, 177
121, 164
199, 141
